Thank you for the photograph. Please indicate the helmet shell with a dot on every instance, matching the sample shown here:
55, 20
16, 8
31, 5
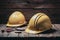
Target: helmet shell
16, 19
38, 23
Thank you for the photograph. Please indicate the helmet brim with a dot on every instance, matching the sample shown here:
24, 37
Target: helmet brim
31, 31
27, 30
15, 25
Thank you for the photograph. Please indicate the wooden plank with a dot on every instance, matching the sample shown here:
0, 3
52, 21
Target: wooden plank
54, 32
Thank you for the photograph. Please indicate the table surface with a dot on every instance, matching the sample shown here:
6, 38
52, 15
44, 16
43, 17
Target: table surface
54, 32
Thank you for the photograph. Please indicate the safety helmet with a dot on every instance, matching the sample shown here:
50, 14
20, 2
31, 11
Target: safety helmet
16, 19
38, 23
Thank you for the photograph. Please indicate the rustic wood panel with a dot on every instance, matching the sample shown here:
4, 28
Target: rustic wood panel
51, 8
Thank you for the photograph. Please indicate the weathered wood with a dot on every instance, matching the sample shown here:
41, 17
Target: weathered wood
54, 32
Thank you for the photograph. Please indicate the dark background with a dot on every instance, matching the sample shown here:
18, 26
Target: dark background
29, 8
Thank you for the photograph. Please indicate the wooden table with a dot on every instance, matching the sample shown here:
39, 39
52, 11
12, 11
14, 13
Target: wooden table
54, 32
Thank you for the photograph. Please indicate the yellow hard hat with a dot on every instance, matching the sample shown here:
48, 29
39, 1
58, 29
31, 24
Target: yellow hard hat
38, 23
16, 19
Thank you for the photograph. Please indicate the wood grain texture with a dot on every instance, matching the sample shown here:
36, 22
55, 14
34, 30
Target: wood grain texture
54, 32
